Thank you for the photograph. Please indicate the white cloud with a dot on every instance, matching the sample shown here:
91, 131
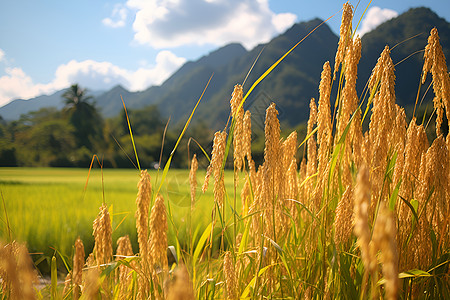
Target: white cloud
173, 23
2, 55
118, 17
90, 74
374, 17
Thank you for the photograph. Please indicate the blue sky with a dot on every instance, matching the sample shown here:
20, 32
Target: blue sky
47, 45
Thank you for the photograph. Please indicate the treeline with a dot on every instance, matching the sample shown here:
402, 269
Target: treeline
71, 136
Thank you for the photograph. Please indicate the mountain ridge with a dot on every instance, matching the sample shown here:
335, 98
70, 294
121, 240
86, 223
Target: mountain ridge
291, 84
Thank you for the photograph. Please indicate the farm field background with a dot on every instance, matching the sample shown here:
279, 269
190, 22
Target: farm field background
49, 208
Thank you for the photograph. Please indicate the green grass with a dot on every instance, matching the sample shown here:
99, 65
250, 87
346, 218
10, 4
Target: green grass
48, 208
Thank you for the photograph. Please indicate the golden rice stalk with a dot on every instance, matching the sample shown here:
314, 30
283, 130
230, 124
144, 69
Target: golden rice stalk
103, 236
418, 253
193, 179
67, 283
311, 165
92, 284
344, 35
215, 167
237, 112
434, 176
348, 101
324, 127
384, 240
272, 141
158, 234
416, 145
124, 273
16, 272
399, 136
230, 277
143, 204
361, 218
343, 222
181, 287
247, 135
77, 271
383, 116
436, 65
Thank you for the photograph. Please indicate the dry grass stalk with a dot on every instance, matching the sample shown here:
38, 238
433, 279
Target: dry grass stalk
230, 277
435, 64
344, 35
77, 271
103, 236
193, 179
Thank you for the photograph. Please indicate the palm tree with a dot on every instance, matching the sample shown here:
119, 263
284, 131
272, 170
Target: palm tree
83, 116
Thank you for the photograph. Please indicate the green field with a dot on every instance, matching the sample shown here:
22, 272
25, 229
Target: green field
49, 207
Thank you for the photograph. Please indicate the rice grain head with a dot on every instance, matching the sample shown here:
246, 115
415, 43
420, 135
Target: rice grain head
103, 236
434, 63
344, 35
361, 217
380, 126
215, 167
193, 179
142, 213
343, 222
247, 136
230, 277
384, 240
324, 126
77, 271
237, 112
124, 273
311, 165
158, 234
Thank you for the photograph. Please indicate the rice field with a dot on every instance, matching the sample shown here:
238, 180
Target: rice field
361, 214
48, 208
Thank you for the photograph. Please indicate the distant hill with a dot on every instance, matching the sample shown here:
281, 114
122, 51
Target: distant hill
291, 84
416, 21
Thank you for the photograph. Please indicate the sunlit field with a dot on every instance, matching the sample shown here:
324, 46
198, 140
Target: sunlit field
48, 208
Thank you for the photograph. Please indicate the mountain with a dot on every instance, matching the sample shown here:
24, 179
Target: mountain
416, 24
291, 84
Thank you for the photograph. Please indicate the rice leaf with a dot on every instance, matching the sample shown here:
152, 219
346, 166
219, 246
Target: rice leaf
131, 134
167, 166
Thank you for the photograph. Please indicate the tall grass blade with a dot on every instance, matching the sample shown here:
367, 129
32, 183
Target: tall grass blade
54, 277
167, 166
131, 134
